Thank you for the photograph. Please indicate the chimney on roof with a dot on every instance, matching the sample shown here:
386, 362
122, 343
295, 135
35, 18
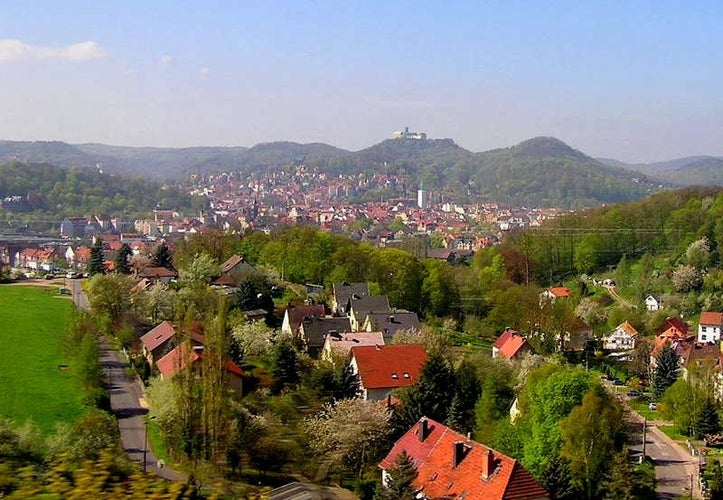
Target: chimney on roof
391, 319
488, 464
423, 429
379, 348
460, 451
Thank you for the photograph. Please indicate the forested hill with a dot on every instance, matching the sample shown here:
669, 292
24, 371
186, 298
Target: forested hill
542, 171
691, 170
48, 189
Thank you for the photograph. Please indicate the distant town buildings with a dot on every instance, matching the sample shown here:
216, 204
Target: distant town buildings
406, 134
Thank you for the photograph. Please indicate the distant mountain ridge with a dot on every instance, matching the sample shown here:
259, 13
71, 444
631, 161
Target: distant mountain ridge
701, 170
542, 171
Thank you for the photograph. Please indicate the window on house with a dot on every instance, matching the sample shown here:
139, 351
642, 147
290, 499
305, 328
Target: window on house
702, 337
703, 328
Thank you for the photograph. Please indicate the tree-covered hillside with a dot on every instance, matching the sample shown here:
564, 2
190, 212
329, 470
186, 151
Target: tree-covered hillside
64, 192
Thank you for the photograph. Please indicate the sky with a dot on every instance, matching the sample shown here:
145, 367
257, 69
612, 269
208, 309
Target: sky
638, 81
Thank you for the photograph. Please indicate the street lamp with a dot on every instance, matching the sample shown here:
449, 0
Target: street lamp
145, 441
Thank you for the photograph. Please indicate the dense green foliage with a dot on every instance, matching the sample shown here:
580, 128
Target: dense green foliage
70, 192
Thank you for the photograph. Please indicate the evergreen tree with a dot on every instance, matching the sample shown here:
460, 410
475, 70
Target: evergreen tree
709, 422
666, 370
162, 256
122, 259
619, 485
95, 263
399, 481
285, 364
716, 484
557, 479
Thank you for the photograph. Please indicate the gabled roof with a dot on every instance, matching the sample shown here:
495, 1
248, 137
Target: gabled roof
364, 305
510, 343
502, 339
157, 272
158, 335
297, 314
711, 318
389, 366
673, 327
390, 323
449, 465
342, 291
178, 358
342, 344
315, 329
626, 327
232, 262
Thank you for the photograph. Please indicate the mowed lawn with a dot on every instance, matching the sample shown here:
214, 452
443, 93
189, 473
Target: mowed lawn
32, 384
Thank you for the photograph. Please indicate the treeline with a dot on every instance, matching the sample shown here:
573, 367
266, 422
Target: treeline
50, 190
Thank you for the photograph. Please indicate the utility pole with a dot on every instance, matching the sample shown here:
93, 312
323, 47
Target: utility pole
645, 430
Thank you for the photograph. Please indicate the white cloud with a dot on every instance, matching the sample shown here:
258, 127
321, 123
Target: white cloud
166, 60
17, 50
204, 71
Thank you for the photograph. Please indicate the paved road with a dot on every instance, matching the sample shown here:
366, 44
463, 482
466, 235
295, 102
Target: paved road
126, 396
674, 466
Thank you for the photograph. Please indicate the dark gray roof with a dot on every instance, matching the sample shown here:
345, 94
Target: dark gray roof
343, 291
314, 330
364, 305
390, 323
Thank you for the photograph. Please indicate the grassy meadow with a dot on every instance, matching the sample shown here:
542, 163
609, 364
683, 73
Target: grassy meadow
32, 383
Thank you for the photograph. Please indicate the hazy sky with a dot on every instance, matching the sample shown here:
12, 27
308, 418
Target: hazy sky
637, 80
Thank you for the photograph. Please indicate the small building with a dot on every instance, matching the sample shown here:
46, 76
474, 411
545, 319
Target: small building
237, 269
653, 303
359, 307
384, 368
510, 345
554, 293
391, 322
709, 326
622, 338
450, 465
338, 345
158, 342
314, 330
158, 274
181, 357
342, 292
294, 315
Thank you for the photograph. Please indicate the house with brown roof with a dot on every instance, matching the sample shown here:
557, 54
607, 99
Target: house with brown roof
451, 466
710, 326
295, 315
622, 338
383, 368
156, 274
510, 345
672, 328
158, 341
236, 268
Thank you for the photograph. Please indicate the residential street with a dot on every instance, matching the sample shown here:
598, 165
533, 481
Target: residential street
674, 466
126, 396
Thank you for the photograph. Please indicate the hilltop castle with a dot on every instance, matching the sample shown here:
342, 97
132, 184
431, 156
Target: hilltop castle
406, 134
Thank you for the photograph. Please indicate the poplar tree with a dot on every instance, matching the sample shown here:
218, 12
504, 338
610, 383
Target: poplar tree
666, 370
95, 263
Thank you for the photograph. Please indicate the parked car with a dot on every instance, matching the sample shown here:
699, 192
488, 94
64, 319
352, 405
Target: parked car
634, 394
652, 406
72, 275
49, 276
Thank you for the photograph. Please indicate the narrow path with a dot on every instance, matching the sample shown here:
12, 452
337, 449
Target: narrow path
125, 400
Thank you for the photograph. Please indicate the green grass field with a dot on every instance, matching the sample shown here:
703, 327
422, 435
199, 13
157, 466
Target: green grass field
34, 387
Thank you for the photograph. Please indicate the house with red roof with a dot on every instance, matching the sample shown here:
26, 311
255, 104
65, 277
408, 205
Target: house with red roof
710, 326
672, 329
554, 293
384, 368
156, 274
181, 357
451, 466
511, 345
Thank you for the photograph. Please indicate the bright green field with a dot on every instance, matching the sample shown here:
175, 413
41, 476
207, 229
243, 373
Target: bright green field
32, 386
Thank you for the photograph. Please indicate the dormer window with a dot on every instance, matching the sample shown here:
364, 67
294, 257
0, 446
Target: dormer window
406, 375
395, 376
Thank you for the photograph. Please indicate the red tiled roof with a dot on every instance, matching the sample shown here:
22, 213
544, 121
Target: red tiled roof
711, 318
560, 291
628, 328
158, 335
176, 360
158, 272
378, 365
673, 327
451, 466
512, 343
